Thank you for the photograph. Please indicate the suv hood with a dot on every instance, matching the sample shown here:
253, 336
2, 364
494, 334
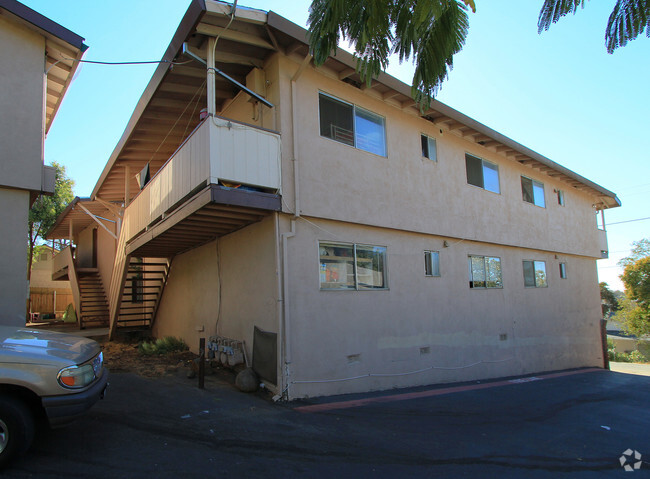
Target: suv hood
34, 346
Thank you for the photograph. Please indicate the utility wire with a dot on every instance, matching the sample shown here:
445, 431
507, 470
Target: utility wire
628, 221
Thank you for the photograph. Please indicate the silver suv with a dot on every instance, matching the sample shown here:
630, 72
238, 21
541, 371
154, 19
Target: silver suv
44, 376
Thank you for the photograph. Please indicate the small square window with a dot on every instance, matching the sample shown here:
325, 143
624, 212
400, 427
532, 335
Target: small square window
532, 191
560, 197
431, 263
482, 173
535, 274
429, 148
563, 270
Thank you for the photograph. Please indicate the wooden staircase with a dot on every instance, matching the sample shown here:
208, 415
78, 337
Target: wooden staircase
143, 287
93, 302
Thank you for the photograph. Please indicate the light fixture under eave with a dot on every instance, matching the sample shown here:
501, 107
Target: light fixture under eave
189, 53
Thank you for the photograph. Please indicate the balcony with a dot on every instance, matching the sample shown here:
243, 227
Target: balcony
225, 176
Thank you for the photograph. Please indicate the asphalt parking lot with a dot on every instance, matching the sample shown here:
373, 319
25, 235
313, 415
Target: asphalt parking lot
576, 425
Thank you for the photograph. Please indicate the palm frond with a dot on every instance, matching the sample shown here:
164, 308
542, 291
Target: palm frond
628, 19
553, 10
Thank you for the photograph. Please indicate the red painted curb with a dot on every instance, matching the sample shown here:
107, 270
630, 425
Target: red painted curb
434, 392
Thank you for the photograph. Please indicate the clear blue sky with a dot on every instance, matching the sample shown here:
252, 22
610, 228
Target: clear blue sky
558, 93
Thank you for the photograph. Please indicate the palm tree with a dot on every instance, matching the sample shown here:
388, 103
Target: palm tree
428, 31
628, 19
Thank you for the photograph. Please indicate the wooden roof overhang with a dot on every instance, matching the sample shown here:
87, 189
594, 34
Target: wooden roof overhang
77, 215
292, 39
216, 211
63, 50
169, 108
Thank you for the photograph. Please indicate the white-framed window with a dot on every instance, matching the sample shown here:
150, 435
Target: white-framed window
352, 125
484, 272
429, 147
563, 270
535, 274
560, 197
431, 263
482, 173
351, 266
532, 191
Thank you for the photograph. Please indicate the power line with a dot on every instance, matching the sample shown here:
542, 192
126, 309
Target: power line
628, 221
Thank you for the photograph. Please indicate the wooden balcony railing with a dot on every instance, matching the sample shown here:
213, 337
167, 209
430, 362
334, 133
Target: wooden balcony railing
218, 150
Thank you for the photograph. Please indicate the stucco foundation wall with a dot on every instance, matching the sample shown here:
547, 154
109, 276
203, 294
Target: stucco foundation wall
545, 328
14, 287
21, 104
244, 263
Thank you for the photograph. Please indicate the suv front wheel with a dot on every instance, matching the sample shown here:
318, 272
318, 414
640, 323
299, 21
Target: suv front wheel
16, 429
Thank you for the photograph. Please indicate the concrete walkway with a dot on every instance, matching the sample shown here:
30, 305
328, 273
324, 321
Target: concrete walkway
630, 368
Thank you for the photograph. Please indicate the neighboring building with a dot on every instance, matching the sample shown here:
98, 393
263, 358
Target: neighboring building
47, 298
38, 63
369, 246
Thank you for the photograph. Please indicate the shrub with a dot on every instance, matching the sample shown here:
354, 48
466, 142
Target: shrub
165, 345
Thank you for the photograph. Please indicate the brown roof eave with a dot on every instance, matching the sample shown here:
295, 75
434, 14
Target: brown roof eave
44, 24
63, 214
282, 24
191, 18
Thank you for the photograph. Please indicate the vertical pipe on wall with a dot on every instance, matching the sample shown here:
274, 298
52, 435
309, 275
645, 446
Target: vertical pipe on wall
286, 314
212, 98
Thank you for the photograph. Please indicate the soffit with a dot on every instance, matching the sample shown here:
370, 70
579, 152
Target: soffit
170, 107
293, 39
63, 49
76, 215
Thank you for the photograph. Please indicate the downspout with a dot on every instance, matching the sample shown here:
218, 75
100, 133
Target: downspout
286, 314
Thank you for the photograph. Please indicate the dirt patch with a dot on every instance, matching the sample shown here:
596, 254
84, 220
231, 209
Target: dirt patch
123, 356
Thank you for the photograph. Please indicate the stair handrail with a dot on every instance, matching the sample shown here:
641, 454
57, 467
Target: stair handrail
118, 278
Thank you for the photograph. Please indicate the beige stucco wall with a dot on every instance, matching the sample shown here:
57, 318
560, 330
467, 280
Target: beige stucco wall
106, 247
14, 287
411, 193
244, 262
547, 328
41, 276
21, 104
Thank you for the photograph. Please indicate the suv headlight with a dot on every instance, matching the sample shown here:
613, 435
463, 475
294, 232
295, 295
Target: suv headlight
75, 377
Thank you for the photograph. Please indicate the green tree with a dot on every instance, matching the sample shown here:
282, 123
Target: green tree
635, 312
46, 209
428, 31
627, 21
640, 249
608, 300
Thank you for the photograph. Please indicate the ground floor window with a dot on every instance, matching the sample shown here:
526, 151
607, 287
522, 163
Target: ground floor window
485, 272
351, 266
535, 274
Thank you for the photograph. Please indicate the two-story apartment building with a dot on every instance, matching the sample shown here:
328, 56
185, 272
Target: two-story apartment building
350, 241
38, 58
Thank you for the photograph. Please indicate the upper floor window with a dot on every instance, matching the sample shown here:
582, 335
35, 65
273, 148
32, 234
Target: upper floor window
352, 125
563, 270
485, 272
352, 266
431, 263
535, 274
560, 197
482, 173
532, 191
429, 148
